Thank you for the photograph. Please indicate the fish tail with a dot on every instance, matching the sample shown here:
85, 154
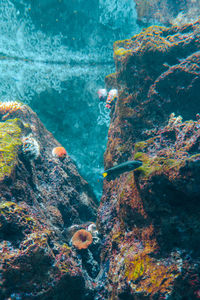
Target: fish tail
105, 174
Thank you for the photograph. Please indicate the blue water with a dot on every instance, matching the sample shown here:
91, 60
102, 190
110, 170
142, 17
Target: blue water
54, 56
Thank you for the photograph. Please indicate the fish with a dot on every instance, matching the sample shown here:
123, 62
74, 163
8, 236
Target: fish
112, 173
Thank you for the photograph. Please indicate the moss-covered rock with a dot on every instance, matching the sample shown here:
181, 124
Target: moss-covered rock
40, 197
150, 217
10, 133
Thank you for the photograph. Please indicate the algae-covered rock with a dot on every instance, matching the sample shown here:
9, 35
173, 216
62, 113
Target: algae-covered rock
32, 264
10, 133
157, 76
150, 217
40, 197
168, 11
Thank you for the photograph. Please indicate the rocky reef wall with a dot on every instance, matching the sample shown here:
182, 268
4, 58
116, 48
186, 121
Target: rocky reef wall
167, 12
44, 200
146, 242
150, 218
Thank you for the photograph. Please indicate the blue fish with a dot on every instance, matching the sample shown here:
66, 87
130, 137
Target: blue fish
112, 173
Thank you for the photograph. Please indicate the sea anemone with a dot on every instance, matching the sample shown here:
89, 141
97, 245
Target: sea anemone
102, 93
9, 107
112, 96
30, 148
82, 239
59, 152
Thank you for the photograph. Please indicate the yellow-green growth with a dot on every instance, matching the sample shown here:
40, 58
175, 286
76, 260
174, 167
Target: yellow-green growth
10, 133
105, 174
154, 275
120, 51
18, 215
156, 164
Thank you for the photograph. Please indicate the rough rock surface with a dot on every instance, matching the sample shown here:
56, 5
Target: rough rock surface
167, 11
150, 219
40, 198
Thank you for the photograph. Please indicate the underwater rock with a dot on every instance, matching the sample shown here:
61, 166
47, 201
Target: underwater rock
40, 199
148, 229
157, 72
150, 218
167, 12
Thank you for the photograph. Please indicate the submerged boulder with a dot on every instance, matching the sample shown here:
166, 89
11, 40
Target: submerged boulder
150, 218
40, 197
168, 11
157, 73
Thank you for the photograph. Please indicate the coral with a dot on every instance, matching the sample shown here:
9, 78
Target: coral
59, 152
9, 107
30, 147
173, 121
120, 51
82, 239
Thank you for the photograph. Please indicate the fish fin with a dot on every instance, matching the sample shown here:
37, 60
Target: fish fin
105, 174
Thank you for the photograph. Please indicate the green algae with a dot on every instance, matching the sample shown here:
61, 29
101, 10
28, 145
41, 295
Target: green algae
156, 164
120, 51
10, 133
16, 214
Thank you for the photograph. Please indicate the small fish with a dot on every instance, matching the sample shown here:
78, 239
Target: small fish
115, 171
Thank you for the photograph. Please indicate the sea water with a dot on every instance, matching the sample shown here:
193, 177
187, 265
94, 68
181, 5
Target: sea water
54, 56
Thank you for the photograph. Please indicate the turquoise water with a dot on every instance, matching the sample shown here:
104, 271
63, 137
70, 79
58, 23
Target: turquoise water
54, 56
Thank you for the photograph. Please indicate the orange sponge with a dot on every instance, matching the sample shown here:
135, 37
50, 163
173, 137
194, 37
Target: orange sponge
59, 152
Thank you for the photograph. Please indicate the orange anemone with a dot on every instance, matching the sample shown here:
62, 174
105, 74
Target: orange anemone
82, 239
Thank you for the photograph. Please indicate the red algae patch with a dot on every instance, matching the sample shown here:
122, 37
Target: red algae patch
59, 152
82, 239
